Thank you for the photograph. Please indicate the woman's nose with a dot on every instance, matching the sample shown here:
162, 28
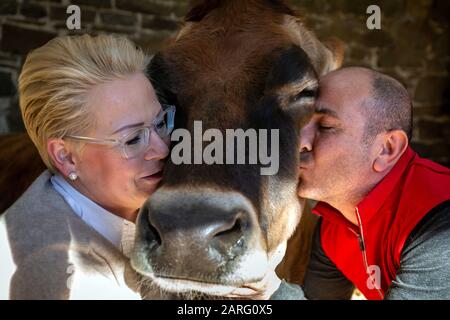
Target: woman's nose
158, 149
307, 134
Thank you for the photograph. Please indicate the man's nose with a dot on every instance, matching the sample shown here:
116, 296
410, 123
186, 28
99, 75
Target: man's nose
158, 149
307, 135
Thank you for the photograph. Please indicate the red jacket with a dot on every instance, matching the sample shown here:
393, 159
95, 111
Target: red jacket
369, 254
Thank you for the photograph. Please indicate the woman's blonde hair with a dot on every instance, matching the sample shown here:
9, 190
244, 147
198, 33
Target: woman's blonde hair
56, 78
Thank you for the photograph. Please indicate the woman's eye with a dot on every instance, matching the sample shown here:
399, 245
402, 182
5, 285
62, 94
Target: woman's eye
133, 141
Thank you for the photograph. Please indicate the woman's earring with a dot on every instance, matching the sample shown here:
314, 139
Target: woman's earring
73, 176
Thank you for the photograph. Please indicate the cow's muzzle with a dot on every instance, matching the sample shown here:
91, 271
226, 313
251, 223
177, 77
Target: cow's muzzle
201, 236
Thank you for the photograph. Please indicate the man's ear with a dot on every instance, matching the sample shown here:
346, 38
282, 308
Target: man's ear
393, 144
61, 156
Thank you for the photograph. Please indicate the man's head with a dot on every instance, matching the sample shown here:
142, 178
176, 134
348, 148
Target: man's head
361, 127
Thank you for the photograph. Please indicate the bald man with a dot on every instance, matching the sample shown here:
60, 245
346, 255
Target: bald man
384, 212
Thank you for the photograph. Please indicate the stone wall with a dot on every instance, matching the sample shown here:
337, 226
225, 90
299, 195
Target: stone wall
412, 45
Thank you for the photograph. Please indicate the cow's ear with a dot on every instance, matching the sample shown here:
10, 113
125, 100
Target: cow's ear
158, 74
200, 10
333, 56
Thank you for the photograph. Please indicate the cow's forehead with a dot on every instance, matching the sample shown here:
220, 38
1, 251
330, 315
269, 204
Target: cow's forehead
230, 50
231, 71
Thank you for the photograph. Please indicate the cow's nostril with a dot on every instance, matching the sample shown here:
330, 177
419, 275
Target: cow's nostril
230, 240
153, 237
234, 229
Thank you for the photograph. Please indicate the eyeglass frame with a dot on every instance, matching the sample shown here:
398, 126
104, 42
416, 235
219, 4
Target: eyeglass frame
166, 108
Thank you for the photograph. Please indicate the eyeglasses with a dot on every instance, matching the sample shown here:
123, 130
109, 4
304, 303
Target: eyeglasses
137, 141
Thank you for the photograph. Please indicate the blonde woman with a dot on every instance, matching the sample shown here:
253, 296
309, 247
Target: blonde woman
95, 119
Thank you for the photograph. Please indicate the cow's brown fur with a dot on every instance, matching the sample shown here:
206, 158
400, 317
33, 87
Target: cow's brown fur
220, 69
20, 165
216, 70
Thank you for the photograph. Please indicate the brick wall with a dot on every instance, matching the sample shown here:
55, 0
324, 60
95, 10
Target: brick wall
27, 24
413, 46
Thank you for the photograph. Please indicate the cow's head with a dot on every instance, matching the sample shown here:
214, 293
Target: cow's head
234, 64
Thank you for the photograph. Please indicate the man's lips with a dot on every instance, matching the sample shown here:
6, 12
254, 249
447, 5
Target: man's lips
305, 161
154, 176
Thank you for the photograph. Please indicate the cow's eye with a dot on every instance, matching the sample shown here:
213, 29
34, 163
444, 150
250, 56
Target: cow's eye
305, 94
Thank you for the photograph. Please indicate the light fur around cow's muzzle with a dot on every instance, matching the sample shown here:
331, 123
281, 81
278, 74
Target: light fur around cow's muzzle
199, 241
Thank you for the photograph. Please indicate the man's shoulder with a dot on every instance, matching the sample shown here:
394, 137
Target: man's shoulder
425, 260
425, 185
429, 241
436, 223
427, 164
429, 176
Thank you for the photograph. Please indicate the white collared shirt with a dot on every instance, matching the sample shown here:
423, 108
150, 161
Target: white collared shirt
119, 231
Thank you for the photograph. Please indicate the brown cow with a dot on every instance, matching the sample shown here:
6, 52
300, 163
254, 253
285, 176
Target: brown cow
234, 64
